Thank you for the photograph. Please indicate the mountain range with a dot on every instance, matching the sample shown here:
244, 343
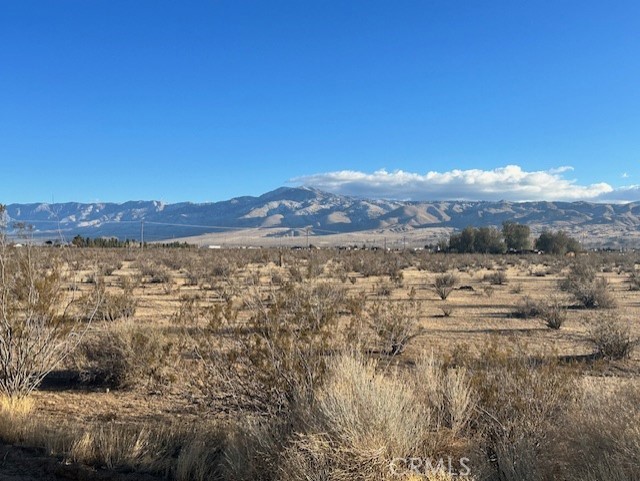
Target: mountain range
292, 210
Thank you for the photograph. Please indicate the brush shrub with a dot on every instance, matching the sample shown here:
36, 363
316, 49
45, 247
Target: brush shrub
589, 290
39, 323
115, 306
280, 353
362, 419
124, 356
527, 308
444, 285
394, 324
553, 313
611, 337
497, 278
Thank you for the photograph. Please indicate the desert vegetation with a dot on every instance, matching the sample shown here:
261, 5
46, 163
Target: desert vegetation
246, 364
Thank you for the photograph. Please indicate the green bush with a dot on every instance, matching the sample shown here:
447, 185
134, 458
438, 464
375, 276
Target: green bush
558, 243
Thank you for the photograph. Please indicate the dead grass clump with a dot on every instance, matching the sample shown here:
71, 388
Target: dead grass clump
520, 400
18, 407
167, 450
446, 391
601, 438
200, 457
371, 417
15, 414
19, 424
362, 420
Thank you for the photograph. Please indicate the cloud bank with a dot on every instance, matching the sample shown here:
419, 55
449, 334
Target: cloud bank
504, 183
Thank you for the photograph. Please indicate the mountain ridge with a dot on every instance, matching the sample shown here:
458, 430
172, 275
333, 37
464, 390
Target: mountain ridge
295, 208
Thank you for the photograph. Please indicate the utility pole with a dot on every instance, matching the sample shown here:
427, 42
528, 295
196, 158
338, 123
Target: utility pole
142, 234
308, 245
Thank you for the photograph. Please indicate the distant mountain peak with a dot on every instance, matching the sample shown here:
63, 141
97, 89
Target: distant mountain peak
302, 207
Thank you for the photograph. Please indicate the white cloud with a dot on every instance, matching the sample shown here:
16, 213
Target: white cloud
625, 175
629, 193
504, 183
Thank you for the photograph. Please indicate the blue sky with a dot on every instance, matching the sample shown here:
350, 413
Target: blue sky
205, 100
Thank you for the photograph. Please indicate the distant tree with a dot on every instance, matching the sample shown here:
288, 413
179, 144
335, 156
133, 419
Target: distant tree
78, 241
488, 240
463, 242
485, 240
104, 242
558, 243
454, 243
467, 240
516, 236
443, 245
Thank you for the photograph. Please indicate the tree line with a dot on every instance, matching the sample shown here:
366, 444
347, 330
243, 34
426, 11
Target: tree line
80, 241
513, 237
111, 242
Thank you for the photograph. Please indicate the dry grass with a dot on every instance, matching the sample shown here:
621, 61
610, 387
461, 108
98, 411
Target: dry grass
311, 364
169, 450
602, 439
15, 406
362, 420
